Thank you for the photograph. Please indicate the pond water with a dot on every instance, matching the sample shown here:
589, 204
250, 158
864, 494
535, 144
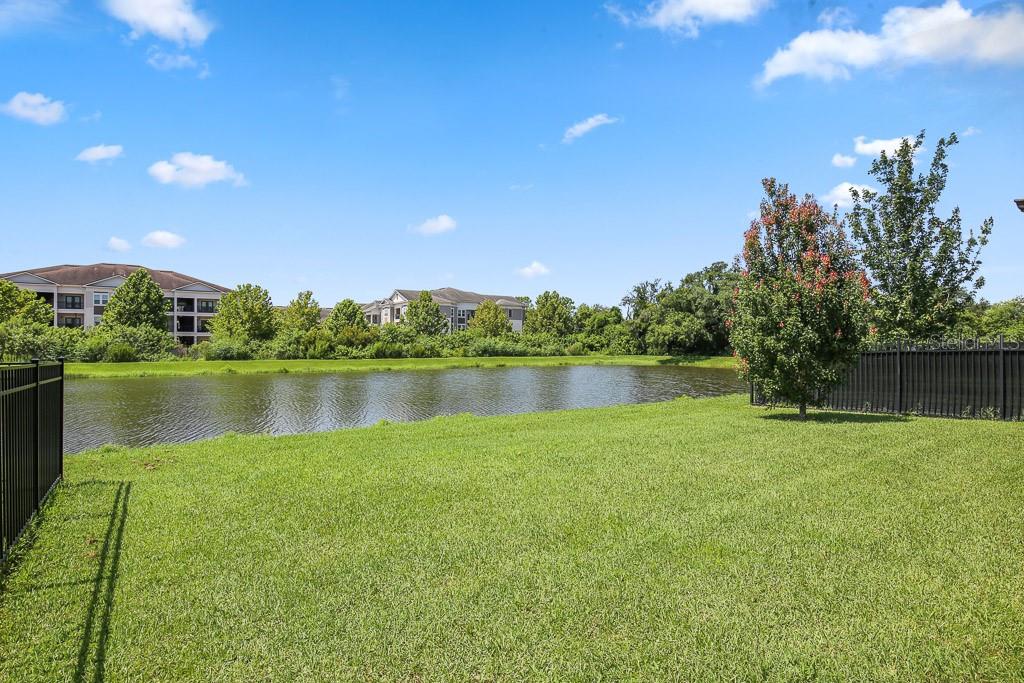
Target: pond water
148, 410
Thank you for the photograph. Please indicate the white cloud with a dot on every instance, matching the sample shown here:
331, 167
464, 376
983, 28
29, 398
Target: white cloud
842, 160
171, 61
686, 17
874, 148
836, 17
100, 153
970, 130
195, 170
174, 20
15, 14
944, 33
35, 107
162, 239
118, 244
533, 270
840, 195
436, 226
578, 130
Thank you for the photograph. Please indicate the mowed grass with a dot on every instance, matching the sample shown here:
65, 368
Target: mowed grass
192, 368
690, 540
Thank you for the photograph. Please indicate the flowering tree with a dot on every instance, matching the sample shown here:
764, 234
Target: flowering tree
801, 304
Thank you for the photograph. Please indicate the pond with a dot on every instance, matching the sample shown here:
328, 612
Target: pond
144, 411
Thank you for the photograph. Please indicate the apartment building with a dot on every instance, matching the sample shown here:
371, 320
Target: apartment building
79, 294
458, 306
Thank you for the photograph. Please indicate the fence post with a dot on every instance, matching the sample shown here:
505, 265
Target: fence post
899, 378
35, 438
1002, 379
60, 425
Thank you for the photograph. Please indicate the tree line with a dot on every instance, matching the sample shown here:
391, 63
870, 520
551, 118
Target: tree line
809, 288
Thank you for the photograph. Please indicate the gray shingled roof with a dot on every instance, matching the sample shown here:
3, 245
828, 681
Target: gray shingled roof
75, 275
450, 295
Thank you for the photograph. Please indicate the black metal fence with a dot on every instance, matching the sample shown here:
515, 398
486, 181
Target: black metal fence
31, 442
962, 378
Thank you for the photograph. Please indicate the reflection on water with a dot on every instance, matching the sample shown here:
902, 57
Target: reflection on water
142, 411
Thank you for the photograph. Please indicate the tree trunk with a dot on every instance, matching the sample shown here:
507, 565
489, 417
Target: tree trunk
803, 411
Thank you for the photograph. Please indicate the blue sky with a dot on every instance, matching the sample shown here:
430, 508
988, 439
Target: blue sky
354, 147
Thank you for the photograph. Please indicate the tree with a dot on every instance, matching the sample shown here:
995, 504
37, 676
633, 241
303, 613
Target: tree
245, 313
801, 310
20, 306
641, 312
553, 314
424, 316
984, 319
302, 314
920, 264
345, 314
138, 302
490, 320
698, 309
676, 332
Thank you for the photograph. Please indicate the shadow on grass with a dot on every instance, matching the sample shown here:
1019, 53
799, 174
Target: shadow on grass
96, 630
28, 537
829, 417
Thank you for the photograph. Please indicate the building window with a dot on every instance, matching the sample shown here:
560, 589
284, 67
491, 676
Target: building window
69, 321
207, 306
509, 311
70, 301
100, 298
97, 319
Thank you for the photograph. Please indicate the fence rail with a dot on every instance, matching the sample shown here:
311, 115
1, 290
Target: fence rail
31, 442
967, 378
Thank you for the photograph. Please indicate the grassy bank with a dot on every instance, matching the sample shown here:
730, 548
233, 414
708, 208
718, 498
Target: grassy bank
186, 368
690, 540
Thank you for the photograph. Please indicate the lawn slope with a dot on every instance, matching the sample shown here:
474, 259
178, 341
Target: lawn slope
690, 540
247, 367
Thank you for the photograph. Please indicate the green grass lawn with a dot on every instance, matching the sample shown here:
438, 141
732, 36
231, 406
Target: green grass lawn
187, 367
690, 540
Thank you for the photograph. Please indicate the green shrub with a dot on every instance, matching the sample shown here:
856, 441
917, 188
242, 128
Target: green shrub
384, 349
148, 343
120, 352
224, 349
576, 349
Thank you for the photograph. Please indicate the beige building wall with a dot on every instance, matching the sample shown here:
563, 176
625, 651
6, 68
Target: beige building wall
192, 306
